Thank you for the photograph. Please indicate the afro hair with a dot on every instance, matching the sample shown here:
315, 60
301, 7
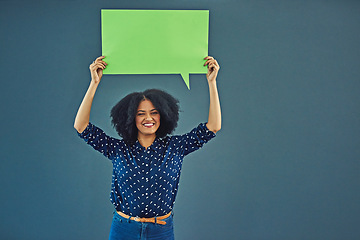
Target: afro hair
124, 112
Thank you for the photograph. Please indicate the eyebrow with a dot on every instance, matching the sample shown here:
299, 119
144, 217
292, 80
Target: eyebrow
150, 110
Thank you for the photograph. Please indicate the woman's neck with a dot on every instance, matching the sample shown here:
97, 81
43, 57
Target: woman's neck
146, 140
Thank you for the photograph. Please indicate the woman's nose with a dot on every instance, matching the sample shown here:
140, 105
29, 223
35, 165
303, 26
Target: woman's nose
147, 116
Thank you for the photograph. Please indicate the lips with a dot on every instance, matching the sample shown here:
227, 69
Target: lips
148, 125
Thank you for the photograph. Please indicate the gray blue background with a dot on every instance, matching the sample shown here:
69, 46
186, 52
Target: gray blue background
284, 166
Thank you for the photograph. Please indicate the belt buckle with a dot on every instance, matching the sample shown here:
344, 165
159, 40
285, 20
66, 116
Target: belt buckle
136, 219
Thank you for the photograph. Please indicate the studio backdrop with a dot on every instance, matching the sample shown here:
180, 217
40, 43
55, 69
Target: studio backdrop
285, 164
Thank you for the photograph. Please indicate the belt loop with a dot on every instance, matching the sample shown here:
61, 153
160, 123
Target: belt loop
128, 220
155, 220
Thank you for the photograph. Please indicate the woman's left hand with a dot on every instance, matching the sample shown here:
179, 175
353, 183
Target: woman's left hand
213, 68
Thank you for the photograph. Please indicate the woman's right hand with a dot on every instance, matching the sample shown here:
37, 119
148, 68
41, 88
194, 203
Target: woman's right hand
96, 69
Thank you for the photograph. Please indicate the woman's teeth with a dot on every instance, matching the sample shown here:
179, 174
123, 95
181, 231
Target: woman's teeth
148, 124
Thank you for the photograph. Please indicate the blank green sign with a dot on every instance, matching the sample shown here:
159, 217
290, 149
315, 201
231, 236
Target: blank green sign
155, 41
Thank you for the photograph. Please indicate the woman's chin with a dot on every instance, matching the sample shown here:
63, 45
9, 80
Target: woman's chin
147, 132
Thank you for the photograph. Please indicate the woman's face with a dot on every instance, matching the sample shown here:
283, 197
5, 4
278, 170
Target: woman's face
147, 118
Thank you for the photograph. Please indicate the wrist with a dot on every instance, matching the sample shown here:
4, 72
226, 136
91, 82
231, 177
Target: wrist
212, 82
94, 83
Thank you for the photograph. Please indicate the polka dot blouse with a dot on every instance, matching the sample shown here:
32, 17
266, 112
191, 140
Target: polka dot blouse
145, 181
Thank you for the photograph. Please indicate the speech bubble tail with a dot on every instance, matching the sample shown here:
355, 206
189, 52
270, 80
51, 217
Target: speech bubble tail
186, 79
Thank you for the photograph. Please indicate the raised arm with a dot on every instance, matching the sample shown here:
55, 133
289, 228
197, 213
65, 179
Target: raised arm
83, 115
214, 121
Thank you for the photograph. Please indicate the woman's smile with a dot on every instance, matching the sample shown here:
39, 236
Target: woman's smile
148, 125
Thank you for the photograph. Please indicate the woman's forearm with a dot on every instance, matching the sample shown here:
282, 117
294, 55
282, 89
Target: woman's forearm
214, 121
83, 115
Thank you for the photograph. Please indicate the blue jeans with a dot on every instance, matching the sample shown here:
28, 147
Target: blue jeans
125, 229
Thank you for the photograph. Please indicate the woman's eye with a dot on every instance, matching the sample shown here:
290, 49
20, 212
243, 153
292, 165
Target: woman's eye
140, 114
154, 113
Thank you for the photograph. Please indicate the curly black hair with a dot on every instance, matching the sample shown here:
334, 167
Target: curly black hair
124, 112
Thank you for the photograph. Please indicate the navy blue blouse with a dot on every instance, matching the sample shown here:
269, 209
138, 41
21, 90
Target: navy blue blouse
145, 181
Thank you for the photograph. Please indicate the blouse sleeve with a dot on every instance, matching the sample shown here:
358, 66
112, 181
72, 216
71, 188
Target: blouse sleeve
195, 139
101, 142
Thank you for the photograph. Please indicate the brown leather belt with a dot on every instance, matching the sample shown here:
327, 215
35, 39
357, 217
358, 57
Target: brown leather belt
152, 220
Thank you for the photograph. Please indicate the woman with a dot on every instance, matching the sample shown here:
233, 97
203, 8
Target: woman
146, 161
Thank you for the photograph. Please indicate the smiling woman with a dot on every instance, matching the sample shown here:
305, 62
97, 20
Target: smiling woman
141, 106
146, 161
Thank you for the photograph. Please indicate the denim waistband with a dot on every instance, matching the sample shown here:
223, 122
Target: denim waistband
123, 219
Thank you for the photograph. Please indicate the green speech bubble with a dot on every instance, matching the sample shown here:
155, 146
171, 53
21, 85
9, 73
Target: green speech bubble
155, 41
